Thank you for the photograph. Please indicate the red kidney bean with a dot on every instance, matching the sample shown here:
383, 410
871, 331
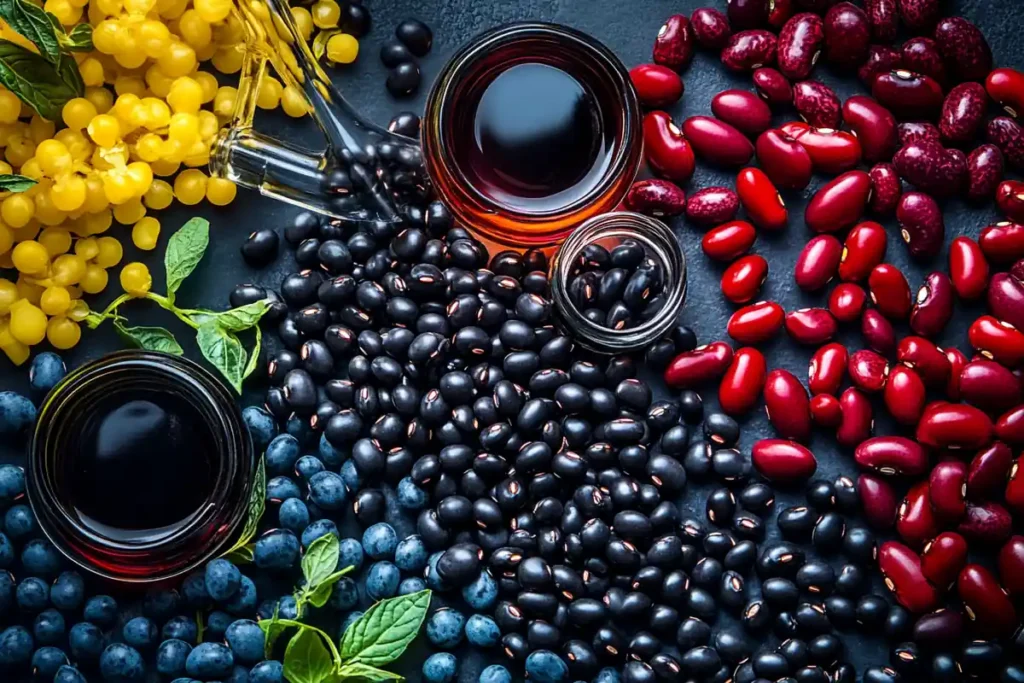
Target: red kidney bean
761, 199
984, 172
932, 168
901, 570
886, 190
712, 206
1011, 565
863, 250
729, 240
868, 370
985, 602
773, 87
818, 262
905, 395
891, 456
881, 60
988, 523
743, 381
878, 501
749, 50
921, 224
878, 331
915, 521
847, 35
656, 86
884, 19
968, 268
926, 359
920, 14
667, 151
965, 49
874, 125
742, 280
832, 151
840, 203
908, 95
787, 405
963, 112
989, 386
933, 305
699, 366
889, 291
656, 197
826, 411
783, 462
997, 340
910, 132
717, 141
746, 14
784, 160
811, 326
939, 630
989, 470
1006, 299
858, 418
953, 426
957, 360
947, 490
756, 323
743, 110
799, 45
782, 11
943, 558
1010, 426
1002, 242
846, 302
922, 55
1008, 136
674, 45
1006, 86
1010, 199
827, 368
1014, 493
710, 28
817, 104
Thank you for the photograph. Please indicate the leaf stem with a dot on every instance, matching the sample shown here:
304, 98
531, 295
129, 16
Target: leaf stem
330, 644
168, 305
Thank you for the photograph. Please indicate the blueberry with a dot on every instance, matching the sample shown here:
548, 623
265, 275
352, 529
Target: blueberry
276, 550
411, 554
307, 466
350, 554
46, 661
41, 558
20, 523
160, 604
244, 601
345, 595
170, 657
16, 413
315, 530
382, 580
100, 610
267, 671
48, 627
440, 667
68, 591
7, 591
299, 428
495, 673
410, 496
181, 627
482, 593
193, 590
120, 663
380, 541
287, 608
482, 631
608, 675
209, 660
140, 633
444, 628
293, 515
47, 369
239, 674
12, 484
434, 580
69, 674
33, 595
352, 618
282, 488
222, 579
7, 553
86, 641
327, 490
262, 426
329, 455
245, 638
544, 666
350, 475
217, 623
281, 454
15, 646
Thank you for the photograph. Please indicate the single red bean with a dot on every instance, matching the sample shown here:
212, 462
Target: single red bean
989, 470
963, 112
846, 302
984, 172
920, 14
891, 456
932, 168
1006, 134
717, 141
939, 630
799, 45
1002, 242
874, 125
749, 50
1006, 86
827, 368
773, 87
901, 570
784, 160
743, 110
666, 149
1010, 426
985, 602
1011, 565
761, 199
933, 305
712, 206
910, 132
921, 224
868, 370
826, 411
657, 86
926, 359
884, 19
1010, 199
783, 462
745, 14
817, 104
908, 95
957, 360
818, 262
943, 558
782, 11
953, 426
863, 249
832, 151
965, 49
811, 326
878, 501
729, 240
840, 203
905, 395
1014, 493
915, 521
889, 291
656, 197
858, 418
699, 366
989, 386
674, 45
922, 55
787, 405
987, 523
947, 491
998, 340
710, 28
881, 60
1006, 299
847, 35
742, 280
878, 332
756, 323
743, 382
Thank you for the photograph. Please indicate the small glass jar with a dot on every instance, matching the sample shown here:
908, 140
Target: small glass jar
609, 230
140, 550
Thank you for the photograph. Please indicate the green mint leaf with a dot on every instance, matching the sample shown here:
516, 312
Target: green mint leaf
380, 636
272, 630
257, 503
79, 39
367, 673
243, 317
34, 23
12, 182
243, 555
321, 559
306, 660
254, 355
185, 250
224, 351
150, 339
34, 80
321, 593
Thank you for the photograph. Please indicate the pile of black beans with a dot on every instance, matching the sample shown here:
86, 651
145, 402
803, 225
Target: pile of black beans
618, 288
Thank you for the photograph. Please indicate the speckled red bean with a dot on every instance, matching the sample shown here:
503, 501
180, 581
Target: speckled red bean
1011, 565
986, 523
968, 268
878, 501
965, 49
884, 19
717, 141
799, 46
782, 461
1010, 199
915, 521
832, 151
922, 55
904, 395
1010, 426
656, 197
881, 60
1006, 86
781, 12
811, 326
957, 360
847, 35
947, 490
817, 104
901, 571
818, 262
921, 224
1014, 493
926, 359
863, 249
931, 168
1006, 299
728, 241
846, 302
858, 418
886, 190
674, 45
656, 86
756, 323
784, 160
984, 172
910, 132
908, 95
963, 112
997, 339
889, 291
874, 125
953, 426
742, 110
826, 411
773, 87
943, 558
712, 206
749, 50
1002, 242
746, 14
827, 368
742, 382
839, 204
920, 14
742, 280
787, 406
699, 366
933, 305
878, 332
1006, 134
868, 370
667, 151
988, 471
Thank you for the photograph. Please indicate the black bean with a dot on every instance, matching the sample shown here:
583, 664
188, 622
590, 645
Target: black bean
701, 661
756, 616
721, 430
828, 532
871, 612
770, 665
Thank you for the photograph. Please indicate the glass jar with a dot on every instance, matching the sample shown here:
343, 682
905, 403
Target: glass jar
187, 505
609, 230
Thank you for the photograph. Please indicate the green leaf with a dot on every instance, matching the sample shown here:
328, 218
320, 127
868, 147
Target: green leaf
243, 555
36, 24
244, 317
185, 250
257, 503
272, 630
381, 635
306, 660
367, 673
254, 355
321, 593
321, 559
224, 351
12, 182
35, 81
150, 338
79, 39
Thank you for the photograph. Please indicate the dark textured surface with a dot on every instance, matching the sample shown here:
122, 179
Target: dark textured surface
628, 27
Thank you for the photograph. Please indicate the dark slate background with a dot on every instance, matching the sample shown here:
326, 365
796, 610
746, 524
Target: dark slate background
629, 28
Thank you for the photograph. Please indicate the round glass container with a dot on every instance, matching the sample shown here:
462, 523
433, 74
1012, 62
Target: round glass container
192, 475
609, 230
